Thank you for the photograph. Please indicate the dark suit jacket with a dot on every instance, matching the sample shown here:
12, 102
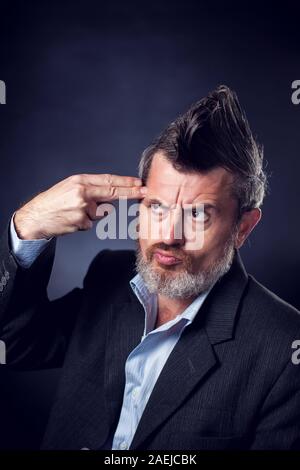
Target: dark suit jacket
229, 383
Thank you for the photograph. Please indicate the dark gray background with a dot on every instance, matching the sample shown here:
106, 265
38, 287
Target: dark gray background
89, 84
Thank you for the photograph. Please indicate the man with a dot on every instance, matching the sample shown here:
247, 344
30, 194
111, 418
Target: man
189, 352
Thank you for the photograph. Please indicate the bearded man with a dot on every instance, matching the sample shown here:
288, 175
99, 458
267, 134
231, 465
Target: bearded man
173, 345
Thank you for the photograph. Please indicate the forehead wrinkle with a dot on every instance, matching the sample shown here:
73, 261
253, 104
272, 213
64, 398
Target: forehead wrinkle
187, 190
180, 199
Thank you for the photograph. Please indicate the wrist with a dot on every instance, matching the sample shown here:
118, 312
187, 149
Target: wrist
25, 227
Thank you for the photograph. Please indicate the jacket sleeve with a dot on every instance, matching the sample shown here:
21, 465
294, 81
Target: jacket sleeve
34, 330
279, 423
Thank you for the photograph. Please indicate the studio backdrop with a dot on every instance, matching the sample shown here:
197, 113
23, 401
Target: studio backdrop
87, 85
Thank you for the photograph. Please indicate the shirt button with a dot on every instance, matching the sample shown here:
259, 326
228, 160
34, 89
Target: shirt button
123, 445
134, 393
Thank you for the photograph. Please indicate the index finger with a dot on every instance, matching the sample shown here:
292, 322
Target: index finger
111, 180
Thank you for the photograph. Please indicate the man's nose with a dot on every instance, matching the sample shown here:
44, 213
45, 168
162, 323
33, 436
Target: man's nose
172, 232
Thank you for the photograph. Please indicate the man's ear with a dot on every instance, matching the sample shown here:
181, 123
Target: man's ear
247, 223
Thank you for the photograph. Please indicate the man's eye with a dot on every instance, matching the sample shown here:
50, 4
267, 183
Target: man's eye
199, 215
157, 208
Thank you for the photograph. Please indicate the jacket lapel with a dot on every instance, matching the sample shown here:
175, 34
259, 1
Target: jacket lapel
223, 302
190, 361
193, 357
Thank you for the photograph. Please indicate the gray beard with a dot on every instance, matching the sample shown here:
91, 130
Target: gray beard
183, 284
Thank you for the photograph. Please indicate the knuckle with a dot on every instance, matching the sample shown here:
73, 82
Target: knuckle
112, 191
86, 224
131, 192
79, 192
83, 205
80, 219
76, 179
107, 179
92, 213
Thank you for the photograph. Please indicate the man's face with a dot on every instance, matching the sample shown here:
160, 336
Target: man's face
177, 264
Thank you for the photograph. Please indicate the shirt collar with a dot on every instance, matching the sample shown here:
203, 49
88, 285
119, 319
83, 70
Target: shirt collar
149, 302
140, 290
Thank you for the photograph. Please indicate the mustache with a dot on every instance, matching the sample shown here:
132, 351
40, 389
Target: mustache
172, 250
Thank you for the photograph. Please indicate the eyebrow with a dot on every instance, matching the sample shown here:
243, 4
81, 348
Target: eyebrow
207, 205
156, 201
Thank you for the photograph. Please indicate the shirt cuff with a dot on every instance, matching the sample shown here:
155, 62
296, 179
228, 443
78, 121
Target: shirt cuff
26, 251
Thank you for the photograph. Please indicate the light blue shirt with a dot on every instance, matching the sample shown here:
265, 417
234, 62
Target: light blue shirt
25, 251
145, 363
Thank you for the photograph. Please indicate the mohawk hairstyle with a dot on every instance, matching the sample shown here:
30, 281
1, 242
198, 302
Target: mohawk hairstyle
214, 132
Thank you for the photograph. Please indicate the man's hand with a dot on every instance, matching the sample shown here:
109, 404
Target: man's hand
71, 204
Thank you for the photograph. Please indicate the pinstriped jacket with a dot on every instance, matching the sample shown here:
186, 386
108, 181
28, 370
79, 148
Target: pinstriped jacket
229, 383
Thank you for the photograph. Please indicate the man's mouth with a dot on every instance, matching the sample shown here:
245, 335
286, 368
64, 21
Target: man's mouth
166, 258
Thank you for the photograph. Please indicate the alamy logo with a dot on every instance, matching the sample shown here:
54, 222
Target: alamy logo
2, 92
296, 354
296, 94
155, 222
2, 352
